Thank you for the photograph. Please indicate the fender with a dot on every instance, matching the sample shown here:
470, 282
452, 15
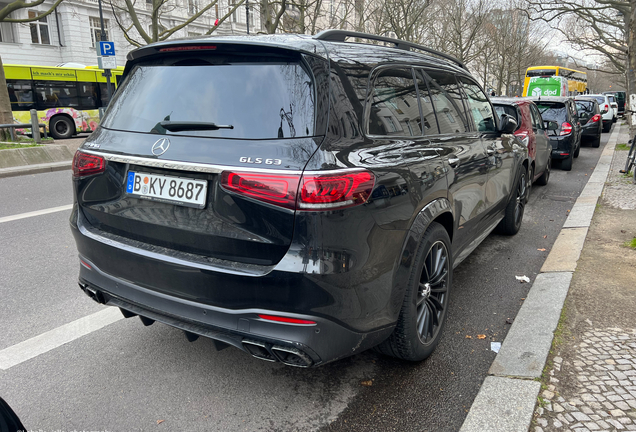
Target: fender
432, 211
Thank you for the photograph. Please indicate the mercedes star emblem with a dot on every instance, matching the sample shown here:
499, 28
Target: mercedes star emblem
160, 147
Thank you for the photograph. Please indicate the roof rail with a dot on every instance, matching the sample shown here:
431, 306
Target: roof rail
342, 35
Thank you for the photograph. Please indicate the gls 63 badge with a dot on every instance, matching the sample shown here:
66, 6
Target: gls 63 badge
250, 160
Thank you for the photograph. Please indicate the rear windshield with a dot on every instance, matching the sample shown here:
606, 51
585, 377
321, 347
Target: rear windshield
258, 101
585, 106
599, 99
554, 111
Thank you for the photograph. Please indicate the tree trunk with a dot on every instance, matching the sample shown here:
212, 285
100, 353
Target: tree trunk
631, 61
6, 116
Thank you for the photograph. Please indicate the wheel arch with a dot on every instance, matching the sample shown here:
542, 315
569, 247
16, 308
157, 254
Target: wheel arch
439, 211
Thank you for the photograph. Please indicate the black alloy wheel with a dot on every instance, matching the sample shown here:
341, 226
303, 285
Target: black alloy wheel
432, 296
543, 180
513, 216
423, 315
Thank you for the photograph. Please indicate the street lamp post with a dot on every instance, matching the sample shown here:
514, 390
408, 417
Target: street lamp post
103, 37
247, 15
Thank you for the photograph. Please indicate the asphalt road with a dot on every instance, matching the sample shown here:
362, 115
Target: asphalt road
126, 377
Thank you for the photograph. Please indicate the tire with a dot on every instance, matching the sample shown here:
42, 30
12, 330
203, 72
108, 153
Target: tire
530, 178
597, 141
543, 180
566, 164
614, 119
513, 216
61, 127
577, 151
426, 298
607, 128
631, 156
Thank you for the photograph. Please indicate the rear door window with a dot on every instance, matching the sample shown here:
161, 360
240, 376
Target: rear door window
448, 102
507, 109
255, 100
394, 109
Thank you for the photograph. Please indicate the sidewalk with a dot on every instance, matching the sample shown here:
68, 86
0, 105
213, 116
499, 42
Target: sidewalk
579, 319
36, 160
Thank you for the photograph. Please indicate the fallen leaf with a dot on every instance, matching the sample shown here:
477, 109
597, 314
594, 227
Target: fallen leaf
481, 336
469, 337
509, 320
541, 250
160, 421
523, 298
545, 236
568, 211
367, 383
586, 174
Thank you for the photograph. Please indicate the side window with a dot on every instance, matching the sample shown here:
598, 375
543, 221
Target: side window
429, 122
88, 95
20, 95
536, 117
53, 94
479, 106
394, 109
447, 102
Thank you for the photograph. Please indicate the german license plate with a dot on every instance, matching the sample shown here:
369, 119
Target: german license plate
173, 190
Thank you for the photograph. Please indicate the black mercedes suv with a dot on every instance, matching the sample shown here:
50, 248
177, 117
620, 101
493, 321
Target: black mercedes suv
300, 198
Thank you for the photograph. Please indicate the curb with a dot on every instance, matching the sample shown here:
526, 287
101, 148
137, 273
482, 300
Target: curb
35, 169
507, 398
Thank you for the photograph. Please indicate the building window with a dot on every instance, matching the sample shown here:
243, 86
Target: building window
193, 6
96, 30
234, 15
6, 32
39, 30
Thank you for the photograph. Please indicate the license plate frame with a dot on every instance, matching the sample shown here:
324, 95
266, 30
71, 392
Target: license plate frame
151, 188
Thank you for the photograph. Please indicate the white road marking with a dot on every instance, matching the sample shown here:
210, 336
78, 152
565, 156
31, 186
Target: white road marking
57, 337
35, 213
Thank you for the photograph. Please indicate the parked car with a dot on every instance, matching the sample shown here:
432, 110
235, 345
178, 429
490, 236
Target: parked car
590, 118
532, 132
301, 198
607, 113
566, 138
620, 100
614, 106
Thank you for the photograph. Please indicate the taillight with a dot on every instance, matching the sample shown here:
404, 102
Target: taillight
595, 118
566, 128
311, 191
271, 188
606, 107
85, 164
285, 319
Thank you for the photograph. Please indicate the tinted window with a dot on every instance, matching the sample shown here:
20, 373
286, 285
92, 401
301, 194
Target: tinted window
599, 99
20, 95
611, 98
541, 72
260, 100
88, 95
394, 109
53, 94
584, 107
429, 121
447, 101
537, 121
479, 106
554, 111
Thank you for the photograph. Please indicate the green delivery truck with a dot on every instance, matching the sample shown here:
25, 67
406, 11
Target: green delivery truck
547, 86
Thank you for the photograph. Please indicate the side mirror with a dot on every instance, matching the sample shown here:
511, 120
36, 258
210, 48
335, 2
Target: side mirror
508, 124
604, 111
551, 125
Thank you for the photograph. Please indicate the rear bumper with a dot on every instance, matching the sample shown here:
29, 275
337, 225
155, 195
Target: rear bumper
562, 146
591, 130
225, 305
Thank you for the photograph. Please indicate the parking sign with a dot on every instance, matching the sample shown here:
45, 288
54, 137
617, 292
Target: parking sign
106, 48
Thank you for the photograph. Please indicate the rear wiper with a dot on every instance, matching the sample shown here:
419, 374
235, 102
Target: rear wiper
179, 126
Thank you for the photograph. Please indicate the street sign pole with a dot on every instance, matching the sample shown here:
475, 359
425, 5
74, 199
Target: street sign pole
103, 37
247, 15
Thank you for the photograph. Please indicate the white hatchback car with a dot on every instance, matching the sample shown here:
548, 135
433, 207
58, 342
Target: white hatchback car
608, 112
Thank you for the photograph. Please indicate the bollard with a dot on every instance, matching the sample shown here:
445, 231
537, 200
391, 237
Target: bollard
35, 126
101, 113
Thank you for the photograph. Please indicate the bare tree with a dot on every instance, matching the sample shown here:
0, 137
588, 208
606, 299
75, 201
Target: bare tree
131, 22
272, 13
408, 19
6, 115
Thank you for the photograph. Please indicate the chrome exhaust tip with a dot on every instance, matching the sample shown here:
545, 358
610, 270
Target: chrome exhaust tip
292, 356
259, 350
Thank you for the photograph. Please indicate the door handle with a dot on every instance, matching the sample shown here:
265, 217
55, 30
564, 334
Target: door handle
453, 161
